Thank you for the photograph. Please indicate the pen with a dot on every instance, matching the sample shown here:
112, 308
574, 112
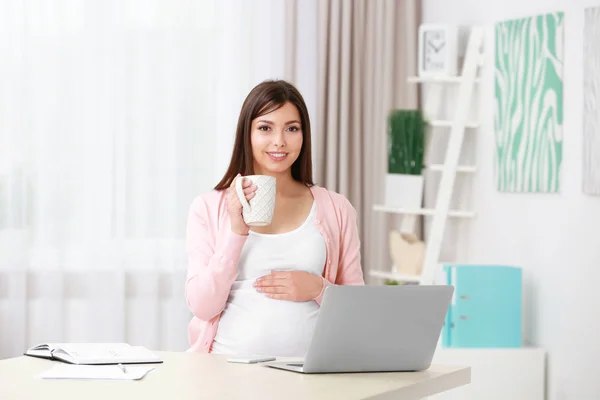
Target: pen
122, 368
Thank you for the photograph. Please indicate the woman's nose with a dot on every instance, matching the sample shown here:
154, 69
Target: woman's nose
279, 139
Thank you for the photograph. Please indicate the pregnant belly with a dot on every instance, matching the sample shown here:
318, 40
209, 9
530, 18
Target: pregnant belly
252, 323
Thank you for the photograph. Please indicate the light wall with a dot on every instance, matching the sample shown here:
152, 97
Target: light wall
554, 237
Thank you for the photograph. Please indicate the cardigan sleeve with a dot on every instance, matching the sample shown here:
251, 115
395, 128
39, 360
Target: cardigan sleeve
349, 265
212, 263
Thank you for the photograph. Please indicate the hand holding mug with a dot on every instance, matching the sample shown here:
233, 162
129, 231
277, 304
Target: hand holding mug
234, 205
259, 209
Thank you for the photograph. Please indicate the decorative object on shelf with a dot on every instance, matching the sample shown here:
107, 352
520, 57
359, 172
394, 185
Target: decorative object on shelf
486, 308
407, 253
529, 103
406, 148
591, 102
438, 50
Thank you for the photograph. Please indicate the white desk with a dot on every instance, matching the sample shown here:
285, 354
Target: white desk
497, 373
195, 376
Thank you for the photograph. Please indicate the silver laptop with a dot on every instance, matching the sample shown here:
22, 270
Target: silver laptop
375, 329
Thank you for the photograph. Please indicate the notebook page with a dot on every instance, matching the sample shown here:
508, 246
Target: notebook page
108, 352
96, 350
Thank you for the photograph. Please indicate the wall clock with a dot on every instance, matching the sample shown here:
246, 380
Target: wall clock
438, 46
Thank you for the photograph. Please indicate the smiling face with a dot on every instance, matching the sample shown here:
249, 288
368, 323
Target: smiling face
276, 140
270, 141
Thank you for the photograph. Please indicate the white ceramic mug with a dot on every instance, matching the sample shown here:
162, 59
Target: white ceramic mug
259, 210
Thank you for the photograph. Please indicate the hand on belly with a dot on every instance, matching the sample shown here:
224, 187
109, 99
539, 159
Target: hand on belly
290, 285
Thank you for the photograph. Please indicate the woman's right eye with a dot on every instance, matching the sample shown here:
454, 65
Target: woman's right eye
263, 128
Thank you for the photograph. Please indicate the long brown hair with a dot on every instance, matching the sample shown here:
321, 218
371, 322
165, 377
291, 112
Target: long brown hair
264, 98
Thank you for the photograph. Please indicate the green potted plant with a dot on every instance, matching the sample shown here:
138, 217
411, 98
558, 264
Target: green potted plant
406, 149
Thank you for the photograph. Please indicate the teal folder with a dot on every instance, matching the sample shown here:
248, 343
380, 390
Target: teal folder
486, 309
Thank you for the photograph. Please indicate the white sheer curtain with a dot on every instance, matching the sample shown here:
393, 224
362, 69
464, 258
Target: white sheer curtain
113, 115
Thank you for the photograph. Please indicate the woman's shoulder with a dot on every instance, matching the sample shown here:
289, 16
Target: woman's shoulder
208, 202
334, 199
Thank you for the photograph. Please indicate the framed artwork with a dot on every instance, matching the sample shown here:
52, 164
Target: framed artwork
591, 102
528, 115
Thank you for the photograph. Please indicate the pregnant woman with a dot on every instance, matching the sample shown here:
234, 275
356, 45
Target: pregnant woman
257, 291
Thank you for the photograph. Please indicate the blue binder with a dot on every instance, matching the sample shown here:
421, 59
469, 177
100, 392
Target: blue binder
486, 308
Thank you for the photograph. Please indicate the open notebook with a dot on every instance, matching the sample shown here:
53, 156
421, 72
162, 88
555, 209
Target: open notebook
93, 353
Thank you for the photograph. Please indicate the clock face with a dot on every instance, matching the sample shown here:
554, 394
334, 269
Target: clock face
434, 53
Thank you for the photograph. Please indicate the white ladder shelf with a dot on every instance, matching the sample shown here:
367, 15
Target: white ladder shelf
441, 212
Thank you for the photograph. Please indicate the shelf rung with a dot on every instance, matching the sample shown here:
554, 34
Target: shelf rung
448, 124
460, 168
422, 211
437, 79
395, 276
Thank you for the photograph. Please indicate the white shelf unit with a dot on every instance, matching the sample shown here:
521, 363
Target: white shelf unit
448, 170
438, 79
396, 277
461, 168
422, 211
440, 123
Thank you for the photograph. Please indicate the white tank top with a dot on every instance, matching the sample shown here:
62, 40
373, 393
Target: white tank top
253, 324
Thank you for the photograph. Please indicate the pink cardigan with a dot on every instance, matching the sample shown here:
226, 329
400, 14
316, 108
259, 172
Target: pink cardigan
213, 252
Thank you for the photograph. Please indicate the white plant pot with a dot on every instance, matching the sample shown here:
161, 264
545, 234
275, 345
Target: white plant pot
404, 191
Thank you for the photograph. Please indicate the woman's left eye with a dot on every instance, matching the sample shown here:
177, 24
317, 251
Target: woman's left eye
294, 129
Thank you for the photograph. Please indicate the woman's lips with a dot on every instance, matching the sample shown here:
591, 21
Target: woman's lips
277, 156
